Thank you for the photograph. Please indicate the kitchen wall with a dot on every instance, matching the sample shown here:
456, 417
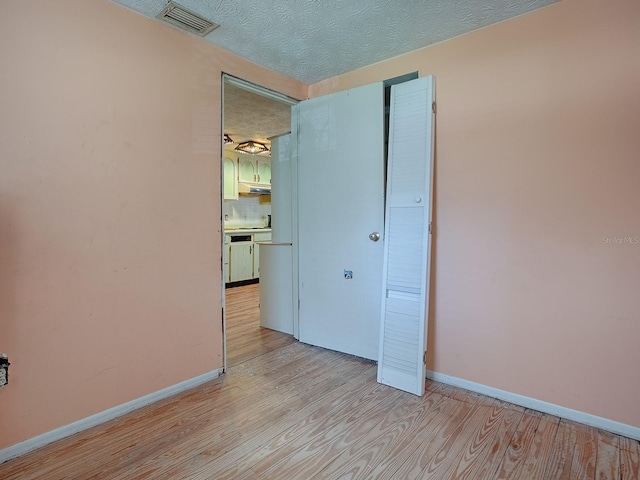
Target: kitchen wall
536, 257
110, 278
247, 211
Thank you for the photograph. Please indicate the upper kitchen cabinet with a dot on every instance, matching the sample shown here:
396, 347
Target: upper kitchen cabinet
264, 170
247, 170
230, 179
254, 170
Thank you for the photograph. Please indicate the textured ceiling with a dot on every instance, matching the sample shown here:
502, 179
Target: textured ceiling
311, 40
249, 116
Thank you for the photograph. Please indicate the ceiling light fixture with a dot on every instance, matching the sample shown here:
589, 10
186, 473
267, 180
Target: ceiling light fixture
227, 139
252, 147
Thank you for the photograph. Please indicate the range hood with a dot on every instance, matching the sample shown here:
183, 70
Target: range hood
253, 189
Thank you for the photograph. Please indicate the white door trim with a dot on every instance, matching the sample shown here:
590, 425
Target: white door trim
276, 96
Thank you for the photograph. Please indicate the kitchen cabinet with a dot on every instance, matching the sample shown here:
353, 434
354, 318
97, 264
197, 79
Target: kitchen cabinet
254, 170
247, 170
263, 167
230, 179
241, 255
240, 261
258, 237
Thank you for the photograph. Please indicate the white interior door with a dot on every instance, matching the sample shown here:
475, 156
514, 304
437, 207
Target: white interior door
340, 203
405, 293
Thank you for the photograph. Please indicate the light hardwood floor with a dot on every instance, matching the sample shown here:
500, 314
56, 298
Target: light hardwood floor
245, 338
301, 412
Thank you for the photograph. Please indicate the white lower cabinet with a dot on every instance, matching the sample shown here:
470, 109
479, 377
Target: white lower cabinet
240, 261
241, 258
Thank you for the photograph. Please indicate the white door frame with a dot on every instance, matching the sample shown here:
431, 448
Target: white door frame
280, 97
294, 222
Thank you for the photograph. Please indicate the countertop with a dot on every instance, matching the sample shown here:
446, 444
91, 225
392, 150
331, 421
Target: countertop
245, 231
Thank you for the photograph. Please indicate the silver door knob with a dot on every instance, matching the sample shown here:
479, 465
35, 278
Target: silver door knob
374, 237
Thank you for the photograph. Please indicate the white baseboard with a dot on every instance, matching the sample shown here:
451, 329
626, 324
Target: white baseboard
59, 433
528, 402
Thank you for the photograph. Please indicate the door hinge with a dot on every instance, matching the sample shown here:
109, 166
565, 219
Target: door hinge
298, 304
424, 357
433, 107
430, 227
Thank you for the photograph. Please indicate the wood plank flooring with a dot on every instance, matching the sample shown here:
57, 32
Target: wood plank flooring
292, 411
245, 338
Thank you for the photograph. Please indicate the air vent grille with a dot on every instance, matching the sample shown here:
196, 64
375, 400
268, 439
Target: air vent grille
180, 17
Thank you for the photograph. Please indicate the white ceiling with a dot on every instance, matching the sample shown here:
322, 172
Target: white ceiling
311, 40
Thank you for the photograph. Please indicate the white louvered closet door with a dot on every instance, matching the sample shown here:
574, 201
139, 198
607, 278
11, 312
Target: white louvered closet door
407, 237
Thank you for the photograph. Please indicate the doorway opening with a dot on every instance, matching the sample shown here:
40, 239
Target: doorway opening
251, 117
387, 84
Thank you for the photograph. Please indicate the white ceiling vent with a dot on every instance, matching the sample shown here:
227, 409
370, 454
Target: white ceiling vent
180, 17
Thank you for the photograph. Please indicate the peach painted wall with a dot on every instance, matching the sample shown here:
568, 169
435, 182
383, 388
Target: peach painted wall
537, 165
109, 208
